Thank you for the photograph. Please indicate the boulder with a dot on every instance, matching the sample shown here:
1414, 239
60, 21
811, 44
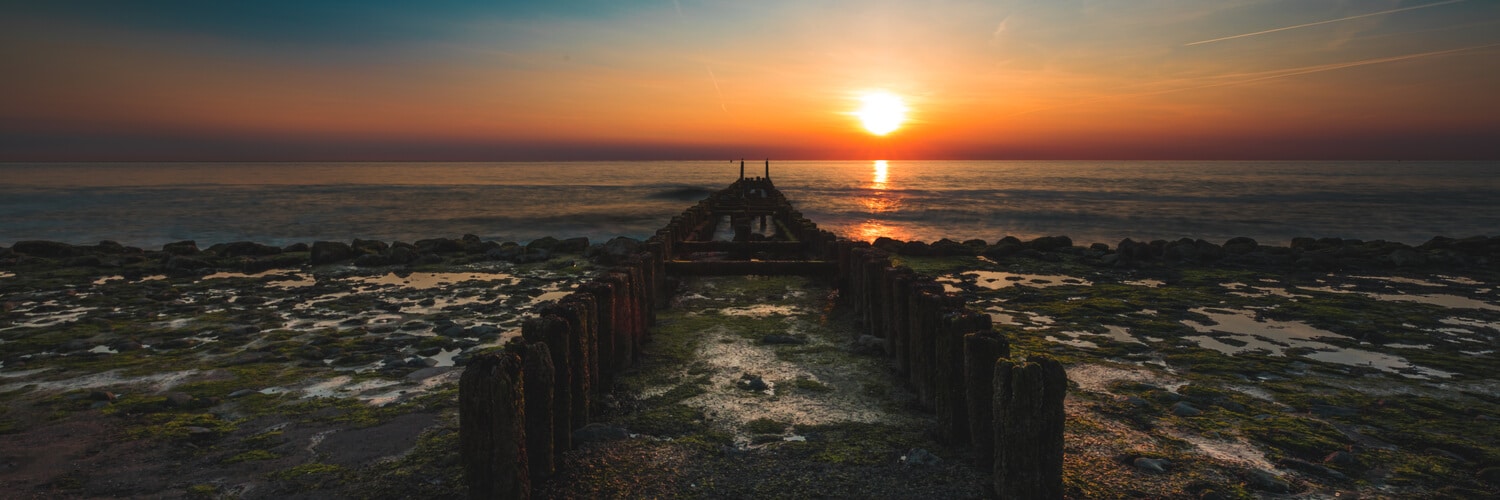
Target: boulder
439, 245
1050, 243
948, 248
887, 244
243, 249
614, 251
916, 249
1152, 465
183, 263
1240, 245
1182, 409
368, 246
328, 252
45, 249
547, 243
1261, 480
295, 247
572, 245
185, 247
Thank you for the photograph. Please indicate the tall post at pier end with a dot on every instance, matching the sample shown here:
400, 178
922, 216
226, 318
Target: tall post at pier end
742, 169
768, 169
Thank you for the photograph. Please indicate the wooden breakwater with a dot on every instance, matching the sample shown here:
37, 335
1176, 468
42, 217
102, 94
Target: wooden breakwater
519, 408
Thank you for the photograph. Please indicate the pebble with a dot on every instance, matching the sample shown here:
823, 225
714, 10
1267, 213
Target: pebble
1156, 465
920, 457
1266, 481
1182, 409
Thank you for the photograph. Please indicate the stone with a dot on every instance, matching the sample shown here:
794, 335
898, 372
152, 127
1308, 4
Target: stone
368, 246
179, 399
1050, 243
328, 252
599, 433
181, 263
1489, 475
1182, 409
46, 249
1310, 468
1342, 458
572, 245
869, 344
547, 243
615, 251
1265, 481
1240, 245
242, 393
1153, 465
102, 396
182, 248
243, 249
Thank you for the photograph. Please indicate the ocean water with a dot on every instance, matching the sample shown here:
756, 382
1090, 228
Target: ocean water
148, 204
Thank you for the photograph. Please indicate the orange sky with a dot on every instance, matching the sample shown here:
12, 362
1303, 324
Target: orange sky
707, 80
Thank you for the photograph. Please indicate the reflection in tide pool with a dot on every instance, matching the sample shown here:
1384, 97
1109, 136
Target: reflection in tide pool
1276, 337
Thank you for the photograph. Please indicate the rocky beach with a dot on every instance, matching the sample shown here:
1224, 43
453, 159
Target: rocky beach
1323, 368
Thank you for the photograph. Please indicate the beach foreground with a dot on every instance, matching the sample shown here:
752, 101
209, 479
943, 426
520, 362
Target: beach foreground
1198, 370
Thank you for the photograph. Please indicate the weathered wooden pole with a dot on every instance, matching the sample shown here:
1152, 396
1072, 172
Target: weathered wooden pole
553, 331
981, 350
604, 317
1028, 408
573, 311
900, 342
951, 395
536, 362
492, 428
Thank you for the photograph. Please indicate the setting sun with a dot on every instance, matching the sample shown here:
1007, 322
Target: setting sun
881, 112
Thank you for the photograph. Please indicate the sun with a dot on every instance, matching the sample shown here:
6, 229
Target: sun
882, 112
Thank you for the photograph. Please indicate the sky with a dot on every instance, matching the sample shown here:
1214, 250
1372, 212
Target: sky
450, 80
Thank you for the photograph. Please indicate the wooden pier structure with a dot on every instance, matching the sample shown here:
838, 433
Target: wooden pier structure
518, 409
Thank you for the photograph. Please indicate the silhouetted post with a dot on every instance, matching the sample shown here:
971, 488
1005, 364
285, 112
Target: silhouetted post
899, 341
981, 350
742, 170
575, 311
553, 331
1029, 428
492, 428
768, 169
536, 361
951, 395
604, 336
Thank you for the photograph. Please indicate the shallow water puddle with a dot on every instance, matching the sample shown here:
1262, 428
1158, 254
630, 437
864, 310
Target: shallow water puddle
426, 281
1148, 283
996, 280
760, 310
1275, 337
1252, 291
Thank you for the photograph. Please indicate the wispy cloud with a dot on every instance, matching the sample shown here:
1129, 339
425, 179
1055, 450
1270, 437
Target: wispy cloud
1319, 23
1249, 78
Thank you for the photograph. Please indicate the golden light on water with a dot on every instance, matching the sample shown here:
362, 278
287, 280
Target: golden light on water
880, 201
881, 112
878, 182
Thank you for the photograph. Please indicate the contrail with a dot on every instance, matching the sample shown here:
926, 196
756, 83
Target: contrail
716, 89
1372, 14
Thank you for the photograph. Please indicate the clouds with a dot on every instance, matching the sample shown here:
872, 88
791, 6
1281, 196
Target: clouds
678, 75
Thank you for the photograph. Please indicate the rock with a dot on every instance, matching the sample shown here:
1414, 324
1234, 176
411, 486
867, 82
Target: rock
916, 249
1050, 243
869, 344
751, 382
185, 247
1153, 465
328, 252
102, 396
572, 245
179, 399
948, 248
1240, 245
615, 250
181, 263
888, 245
1265, 481
1182, 409
599, 433
46, 249
774, 339
920, 457
453, 331
243, 249
439, 245
1445, 454
1407, 257
368, 246
547, 243
1341, 458
295, 248
372, 260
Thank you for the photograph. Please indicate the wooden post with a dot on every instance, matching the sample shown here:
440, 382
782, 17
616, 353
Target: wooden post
604, 340
981, 350
900, 342
951, 394
492, 428
1029, 428
553, 331
536, 362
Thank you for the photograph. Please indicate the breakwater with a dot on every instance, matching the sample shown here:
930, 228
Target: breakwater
519, 409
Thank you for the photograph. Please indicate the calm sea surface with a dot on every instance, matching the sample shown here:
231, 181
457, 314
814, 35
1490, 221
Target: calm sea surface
148, 204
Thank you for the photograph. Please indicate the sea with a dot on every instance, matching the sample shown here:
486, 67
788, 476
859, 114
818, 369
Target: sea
149, 204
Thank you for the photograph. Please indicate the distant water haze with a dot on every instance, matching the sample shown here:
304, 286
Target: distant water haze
148, 204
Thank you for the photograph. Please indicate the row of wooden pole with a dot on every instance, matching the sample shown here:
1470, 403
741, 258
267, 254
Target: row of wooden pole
518, 408
1009, 412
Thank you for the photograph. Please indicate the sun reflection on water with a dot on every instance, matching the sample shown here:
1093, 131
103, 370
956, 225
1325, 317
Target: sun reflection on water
878, 201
